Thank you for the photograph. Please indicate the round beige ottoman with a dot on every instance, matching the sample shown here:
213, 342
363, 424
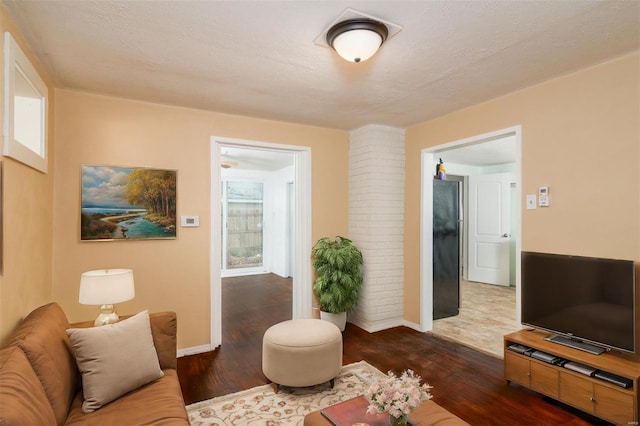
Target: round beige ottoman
301, 352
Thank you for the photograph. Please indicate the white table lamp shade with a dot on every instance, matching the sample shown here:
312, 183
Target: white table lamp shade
106, 286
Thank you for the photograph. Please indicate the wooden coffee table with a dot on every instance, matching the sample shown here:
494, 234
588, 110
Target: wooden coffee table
427, 414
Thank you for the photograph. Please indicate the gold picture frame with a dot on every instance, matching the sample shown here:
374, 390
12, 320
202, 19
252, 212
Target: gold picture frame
127, 203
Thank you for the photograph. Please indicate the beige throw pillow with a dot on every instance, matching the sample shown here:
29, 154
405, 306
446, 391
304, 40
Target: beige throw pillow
114, 359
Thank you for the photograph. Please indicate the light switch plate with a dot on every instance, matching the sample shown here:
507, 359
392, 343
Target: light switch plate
531, 201
189, 221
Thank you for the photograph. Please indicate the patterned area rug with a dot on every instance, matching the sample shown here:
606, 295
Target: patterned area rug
261, 406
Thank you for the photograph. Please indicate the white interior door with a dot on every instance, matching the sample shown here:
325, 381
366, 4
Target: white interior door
489, 228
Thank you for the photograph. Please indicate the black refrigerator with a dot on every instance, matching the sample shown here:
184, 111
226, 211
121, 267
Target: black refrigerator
446, 248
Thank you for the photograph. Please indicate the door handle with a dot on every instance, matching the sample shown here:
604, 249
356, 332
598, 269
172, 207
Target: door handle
505, 235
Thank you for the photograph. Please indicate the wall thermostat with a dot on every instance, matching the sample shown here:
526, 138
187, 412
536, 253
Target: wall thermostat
543, 196
189, 221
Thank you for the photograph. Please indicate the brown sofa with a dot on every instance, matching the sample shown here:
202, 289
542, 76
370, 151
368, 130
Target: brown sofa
40, 383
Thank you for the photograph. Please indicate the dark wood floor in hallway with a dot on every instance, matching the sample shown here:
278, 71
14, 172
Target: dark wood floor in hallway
466, 382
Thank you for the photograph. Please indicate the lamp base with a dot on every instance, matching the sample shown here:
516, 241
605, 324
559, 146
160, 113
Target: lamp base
107, 315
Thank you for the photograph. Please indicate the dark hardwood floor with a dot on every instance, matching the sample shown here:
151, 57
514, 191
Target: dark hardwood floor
466, 382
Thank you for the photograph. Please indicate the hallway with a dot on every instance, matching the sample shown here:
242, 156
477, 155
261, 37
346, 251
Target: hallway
487, 313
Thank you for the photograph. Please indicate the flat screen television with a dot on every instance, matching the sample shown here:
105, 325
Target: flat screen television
581, 299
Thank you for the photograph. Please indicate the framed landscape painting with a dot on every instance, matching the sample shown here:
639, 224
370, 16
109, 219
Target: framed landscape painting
127, 203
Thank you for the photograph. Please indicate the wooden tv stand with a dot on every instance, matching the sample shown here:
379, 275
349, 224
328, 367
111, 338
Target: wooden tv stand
593, 395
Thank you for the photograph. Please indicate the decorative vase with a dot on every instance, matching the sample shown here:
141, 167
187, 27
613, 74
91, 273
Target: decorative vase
403, 420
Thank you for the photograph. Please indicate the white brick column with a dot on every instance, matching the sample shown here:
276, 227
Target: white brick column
376, 223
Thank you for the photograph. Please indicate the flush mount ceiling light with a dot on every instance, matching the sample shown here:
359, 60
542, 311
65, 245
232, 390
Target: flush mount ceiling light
345, 34
356, 40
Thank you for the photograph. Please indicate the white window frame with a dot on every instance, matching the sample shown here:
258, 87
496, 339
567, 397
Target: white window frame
17, 65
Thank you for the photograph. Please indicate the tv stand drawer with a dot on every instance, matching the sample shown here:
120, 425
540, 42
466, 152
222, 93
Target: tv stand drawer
544, 379
613, 404
578, 392
594, 398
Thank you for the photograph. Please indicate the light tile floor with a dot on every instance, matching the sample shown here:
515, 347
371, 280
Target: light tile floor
487, 313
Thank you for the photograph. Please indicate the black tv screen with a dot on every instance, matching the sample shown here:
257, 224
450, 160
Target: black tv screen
585, 298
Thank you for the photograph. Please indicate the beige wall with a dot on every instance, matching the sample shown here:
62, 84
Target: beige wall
27, 204
581, 137
169, 274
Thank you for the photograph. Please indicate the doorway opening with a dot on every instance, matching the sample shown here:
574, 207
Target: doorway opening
471, 147
245, 231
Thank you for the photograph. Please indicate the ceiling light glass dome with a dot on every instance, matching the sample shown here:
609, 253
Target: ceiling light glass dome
357, 40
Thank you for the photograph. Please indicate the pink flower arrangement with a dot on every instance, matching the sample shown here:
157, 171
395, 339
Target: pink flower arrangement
397, 396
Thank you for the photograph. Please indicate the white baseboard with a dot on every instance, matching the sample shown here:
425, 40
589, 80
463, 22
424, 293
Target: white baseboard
194, 350
412, 325
372, 328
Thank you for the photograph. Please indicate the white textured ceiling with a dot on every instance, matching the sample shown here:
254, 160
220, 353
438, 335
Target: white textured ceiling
258, 58
255, 159
488, 153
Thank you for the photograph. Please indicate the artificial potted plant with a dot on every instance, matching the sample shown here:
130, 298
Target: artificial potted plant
337, 263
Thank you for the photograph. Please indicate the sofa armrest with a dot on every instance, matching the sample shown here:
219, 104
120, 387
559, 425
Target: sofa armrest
164, 327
